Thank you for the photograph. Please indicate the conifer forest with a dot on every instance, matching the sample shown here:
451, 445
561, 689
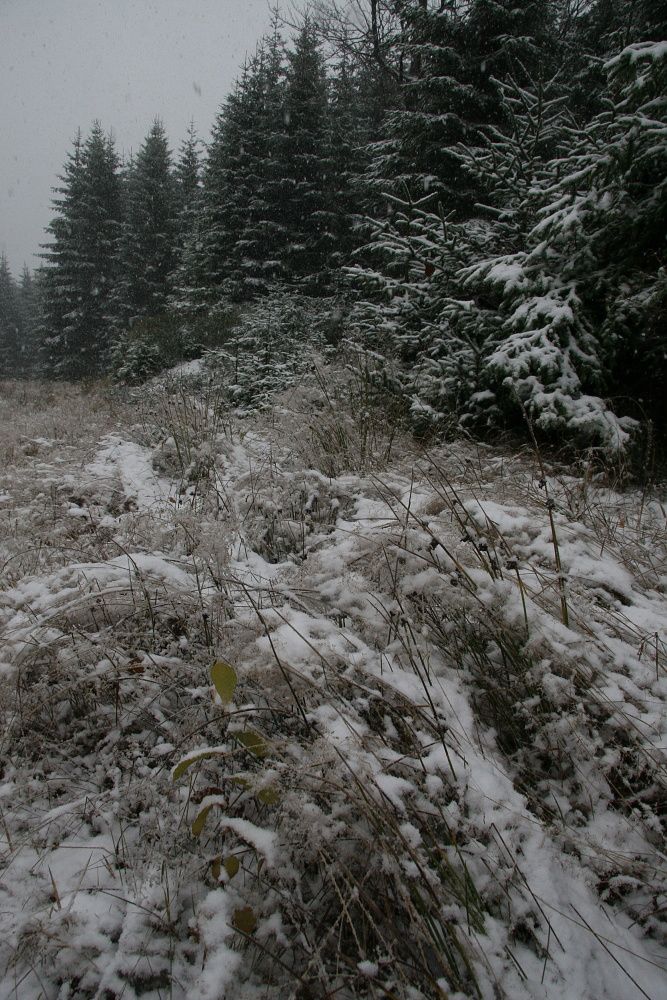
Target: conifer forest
333, 531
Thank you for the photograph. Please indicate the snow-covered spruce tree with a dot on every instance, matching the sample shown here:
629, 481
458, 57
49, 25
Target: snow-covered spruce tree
594, 32
415, 308
584, 304
231, 166
265, 234
311, 218
462, 323
62, 257
146, 249
503, 38
553, 296
348, 130
451, 58
271, 345
203, 259
266, 214
239, 228
80, 261
419, 337
614, 24
434, 108
29, 299
11, 322
188, 188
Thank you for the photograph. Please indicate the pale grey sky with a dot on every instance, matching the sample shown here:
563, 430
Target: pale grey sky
64, 63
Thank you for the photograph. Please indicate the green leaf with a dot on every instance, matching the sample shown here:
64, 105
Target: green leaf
200, 819
224, 679
253, 742
232, 865
245, 920
192, 758
241, 779
269, 796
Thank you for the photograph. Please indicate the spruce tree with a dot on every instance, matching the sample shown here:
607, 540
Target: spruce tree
555, 298
604, 219
265, 233
311, 219
505, 39
11, 326
61, 256
198, 275
79, 273
452, 59
587, 306
257, 198
187, 172
146, 252
215, 258
187, 192
29, 306
274, 208
435, 109
347, 139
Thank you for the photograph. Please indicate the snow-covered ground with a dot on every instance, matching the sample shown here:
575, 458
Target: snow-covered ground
434, 765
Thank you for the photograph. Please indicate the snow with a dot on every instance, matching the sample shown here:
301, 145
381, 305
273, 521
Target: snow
264, 842
432, 718
215, 917
132, 463
510, 275
640, 50
186, 369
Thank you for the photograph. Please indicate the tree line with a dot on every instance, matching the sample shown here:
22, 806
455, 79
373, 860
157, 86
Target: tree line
482, 183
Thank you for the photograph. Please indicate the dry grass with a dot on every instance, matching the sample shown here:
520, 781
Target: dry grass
436, 713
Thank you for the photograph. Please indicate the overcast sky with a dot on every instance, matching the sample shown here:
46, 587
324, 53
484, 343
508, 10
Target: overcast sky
64, 63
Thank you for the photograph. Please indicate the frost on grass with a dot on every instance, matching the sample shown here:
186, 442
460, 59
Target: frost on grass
442, 771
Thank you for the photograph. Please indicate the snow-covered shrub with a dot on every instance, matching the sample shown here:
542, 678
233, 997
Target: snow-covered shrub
183, 419
423, 344
274, 342
156, 343
602, 226
356, 420
135, 359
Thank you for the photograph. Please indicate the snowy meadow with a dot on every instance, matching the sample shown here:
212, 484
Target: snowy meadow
292, 707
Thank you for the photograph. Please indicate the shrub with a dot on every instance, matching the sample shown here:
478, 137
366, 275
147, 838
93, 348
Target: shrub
156, 343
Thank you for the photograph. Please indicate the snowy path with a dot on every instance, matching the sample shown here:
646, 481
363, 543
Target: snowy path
399, 640
132, 464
